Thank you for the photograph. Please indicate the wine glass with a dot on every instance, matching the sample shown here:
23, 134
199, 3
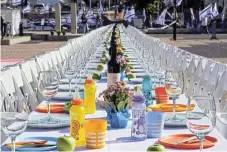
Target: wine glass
14, 121
69, 75
202, 120
48, 86
174, 86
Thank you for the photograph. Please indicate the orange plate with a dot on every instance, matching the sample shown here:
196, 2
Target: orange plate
169, 140
54, 108
169, 107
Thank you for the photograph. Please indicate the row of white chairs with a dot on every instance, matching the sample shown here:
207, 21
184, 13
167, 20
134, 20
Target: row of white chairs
22, 79
203, 75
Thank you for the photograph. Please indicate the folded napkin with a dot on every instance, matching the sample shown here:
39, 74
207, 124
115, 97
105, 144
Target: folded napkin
54, 108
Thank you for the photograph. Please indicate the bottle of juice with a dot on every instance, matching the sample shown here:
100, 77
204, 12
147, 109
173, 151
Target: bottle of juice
77, 116
89, 96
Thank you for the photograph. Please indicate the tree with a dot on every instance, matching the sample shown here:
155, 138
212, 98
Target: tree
150, 5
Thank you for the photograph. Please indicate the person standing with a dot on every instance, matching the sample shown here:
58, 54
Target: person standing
3, 28
84, 22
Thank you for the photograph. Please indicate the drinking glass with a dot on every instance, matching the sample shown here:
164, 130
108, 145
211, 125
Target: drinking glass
202, 120
48, 86
174, 86
14, 121
69, 74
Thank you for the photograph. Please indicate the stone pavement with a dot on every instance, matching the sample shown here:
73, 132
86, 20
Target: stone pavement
28, 49
199, 44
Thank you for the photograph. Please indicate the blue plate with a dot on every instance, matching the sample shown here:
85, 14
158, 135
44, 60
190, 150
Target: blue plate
50, 140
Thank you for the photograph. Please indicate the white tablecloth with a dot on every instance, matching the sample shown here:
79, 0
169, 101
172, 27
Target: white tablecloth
119, 139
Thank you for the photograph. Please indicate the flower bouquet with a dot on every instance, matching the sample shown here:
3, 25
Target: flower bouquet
123, 66
117, 97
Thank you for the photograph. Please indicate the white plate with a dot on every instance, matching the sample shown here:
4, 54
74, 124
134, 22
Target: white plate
180, 123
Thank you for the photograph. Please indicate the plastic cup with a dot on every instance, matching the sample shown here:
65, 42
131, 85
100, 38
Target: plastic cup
155, 124
95, 133
161, 96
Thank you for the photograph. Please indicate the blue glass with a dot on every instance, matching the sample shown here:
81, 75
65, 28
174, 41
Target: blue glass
147, 89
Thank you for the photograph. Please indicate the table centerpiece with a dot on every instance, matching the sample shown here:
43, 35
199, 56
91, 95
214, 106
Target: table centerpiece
117, 98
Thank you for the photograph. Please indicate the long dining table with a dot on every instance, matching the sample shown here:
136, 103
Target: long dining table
117, 139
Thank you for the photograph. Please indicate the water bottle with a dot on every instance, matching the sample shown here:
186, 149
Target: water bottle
147, 89
139, 130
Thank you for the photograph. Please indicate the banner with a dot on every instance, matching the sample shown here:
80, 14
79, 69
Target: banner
45, 9
27, 9
16, 2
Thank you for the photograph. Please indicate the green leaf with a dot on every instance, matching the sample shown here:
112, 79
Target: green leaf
111, 104
121, 106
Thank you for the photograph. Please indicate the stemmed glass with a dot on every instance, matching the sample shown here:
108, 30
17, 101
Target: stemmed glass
202, 120
48, 86
174, 86
68, 74
14, 123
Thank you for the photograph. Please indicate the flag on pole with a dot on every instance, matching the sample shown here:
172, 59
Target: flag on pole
192, 14
27, 9
16, 2
90, 14
223, 14
144, 14
68, 19
80, 13
205, 12
129, 14
161, 18
100, 11
215, 11
179, 2
45, 9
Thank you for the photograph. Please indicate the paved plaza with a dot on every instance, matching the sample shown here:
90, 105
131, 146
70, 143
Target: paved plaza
195, 43
200, 44
28, 49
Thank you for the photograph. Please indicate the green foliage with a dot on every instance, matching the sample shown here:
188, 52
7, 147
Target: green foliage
150, 5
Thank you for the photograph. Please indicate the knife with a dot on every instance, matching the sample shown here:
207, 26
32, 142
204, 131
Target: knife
184, 140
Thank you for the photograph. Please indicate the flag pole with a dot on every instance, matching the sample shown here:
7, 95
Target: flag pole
174, 38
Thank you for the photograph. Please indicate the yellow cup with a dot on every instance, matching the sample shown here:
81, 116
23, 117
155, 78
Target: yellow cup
95, 133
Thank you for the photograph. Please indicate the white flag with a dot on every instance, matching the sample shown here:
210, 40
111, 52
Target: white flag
45, 9
205, 12
223, 14
100, 11
129, 14
80, 13
215, 11
16, 2
90, 14
179, 2
27, 9
144, 14
161, 18
68, 19
192, 14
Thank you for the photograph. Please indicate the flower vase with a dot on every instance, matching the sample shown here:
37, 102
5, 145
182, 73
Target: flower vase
117, 119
